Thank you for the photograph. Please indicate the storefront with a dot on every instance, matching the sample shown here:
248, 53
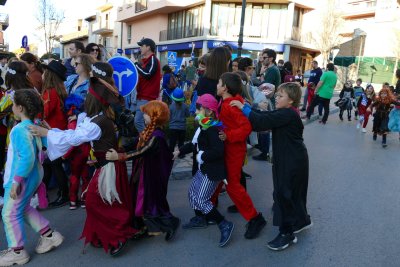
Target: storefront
184, 52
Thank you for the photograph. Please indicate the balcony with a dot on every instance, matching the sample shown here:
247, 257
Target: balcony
358, 9
102, 27
180, 33
299, 36
4, 21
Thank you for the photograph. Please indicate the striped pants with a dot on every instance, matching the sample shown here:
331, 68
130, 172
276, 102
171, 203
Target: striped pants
16, 212
200, 192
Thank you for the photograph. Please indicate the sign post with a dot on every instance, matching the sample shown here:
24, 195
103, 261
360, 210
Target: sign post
125, 75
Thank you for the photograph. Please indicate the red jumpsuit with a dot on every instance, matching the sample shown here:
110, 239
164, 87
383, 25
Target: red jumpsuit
237, 129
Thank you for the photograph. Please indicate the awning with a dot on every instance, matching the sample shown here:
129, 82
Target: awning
246, 46
344, 61
181, 46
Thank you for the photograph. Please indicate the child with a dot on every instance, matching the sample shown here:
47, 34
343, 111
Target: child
237, 129
382, 104
53, 96
150, 173
208, 168
177, 123
364, 102
21, 179
311, 93
290, 163
346, 96
358, 91
108, 197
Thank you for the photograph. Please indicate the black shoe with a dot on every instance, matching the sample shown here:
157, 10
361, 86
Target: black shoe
226, 229
60, 202
384, 144
282, 241
257, 146
303, 109
262, 157
171, 233
374, 137
254, 226
298, 228
341, 117
349, 118
117, 250
197, 222
246, 175
233, 209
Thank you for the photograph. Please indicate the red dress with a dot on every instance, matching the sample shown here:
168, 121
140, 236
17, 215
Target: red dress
53, 112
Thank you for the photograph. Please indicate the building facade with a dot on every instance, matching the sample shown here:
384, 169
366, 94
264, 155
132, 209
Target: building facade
191, 28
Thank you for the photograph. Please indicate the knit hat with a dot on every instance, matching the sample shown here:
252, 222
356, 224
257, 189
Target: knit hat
103, 91
177, 95
208, 101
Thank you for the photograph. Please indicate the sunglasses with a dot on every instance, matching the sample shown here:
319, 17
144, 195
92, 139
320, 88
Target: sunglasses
77, 63
95, 50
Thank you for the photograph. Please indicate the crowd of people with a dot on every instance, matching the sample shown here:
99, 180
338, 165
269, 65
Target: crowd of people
70, 129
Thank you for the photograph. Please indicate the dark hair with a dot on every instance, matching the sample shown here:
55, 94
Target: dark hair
30, 100
359, 80
386, 84
288, 66
244, 63
190, 61
228, 47
293, 90
233, 83
166, 69
330, 67
217, 63
314, 61
89, 48
79, 46
94, 107
32, 59
237, 59
183, 66
20, 79
281, 61
204, 58
398, 73
86, 62
270, 53
52, 80
107, 69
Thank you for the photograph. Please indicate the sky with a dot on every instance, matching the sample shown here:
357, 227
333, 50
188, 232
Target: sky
22, 18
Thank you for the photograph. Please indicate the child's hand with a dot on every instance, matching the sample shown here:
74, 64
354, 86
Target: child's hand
263, 105
112, 155
44, 124
236, 103
176, 154
15, 190
222, 136
72, 118
38, 131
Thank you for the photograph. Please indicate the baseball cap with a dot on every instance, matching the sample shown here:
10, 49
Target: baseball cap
148, 42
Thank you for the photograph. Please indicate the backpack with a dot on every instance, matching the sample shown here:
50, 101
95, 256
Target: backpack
173, 82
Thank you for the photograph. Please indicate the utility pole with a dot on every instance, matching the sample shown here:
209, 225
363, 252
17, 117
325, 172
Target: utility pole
240, 41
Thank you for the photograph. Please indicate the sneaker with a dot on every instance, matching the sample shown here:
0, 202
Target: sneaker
262, 157
384, 145
233, 209
282, 241
363, 130
46, 244
175, 225
197, 222
9, 257
117, 250
299, 228
72, 205
211, 222
60, 202
226, 229
83, 204
254, 226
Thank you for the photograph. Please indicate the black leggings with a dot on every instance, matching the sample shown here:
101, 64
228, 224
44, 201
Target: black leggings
176, 136
55, 167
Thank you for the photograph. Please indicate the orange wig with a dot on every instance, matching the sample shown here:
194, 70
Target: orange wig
158, 112
389, 96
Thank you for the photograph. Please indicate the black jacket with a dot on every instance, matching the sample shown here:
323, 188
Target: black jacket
213, 157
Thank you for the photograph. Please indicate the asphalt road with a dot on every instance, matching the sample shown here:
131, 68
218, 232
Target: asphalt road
353, 201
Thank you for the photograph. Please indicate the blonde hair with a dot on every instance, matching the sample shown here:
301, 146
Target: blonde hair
293, 90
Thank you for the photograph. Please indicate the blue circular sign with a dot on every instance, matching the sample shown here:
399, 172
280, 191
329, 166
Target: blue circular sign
24, 41
125, 74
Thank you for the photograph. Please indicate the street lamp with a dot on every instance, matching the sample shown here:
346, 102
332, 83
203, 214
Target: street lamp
240, 41
373, 71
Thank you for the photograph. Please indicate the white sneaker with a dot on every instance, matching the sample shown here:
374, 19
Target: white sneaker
46, 244
9, 257
363, 130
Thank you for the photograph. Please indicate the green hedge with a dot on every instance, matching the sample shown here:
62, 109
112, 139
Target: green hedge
190, 128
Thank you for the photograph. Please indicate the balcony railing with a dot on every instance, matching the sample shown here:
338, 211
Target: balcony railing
102, 26
179, 33
299, 36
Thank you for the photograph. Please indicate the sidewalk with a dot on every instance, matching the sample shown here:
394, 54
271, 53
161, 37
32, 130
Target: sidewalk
183, 167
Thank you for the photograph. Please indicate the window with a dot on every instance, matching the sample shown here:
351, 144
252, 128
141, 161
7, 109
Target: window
140, 5
129, 33
183, 24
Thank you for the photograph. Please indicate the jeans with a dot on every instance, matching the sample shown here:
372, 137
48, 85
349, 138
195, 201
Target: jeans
263, 141
317, 101
139, 120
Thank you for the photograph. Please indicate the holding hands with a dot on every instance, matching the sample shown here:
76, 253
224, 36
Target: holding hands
112, 155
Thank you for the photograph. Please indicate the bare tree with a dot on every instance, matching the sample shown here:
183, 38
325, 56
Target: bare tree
49, 19
327, 36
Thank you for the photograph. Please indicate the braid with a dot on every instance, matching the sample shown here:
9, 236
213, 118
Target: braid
147, 132
30, 100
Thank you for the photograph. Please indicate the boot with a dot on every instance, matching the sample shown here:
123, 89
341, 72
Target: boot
226, 229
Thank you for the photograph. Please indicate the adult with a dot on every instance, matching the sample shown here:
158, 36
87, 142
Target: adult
287, 73
182, 75
93, 50
324, 92
3, 69
35, 70
79, 83
168, 86
280, 66
217, 64
149, 71
74, 49
190, 73
271, 75
397, 88
235, 64
315, 76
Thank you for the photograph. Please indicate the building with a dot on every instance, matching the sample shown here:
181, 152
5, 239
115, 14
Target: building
4, 22
103, 28
370, 37
80, 34
193, 27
